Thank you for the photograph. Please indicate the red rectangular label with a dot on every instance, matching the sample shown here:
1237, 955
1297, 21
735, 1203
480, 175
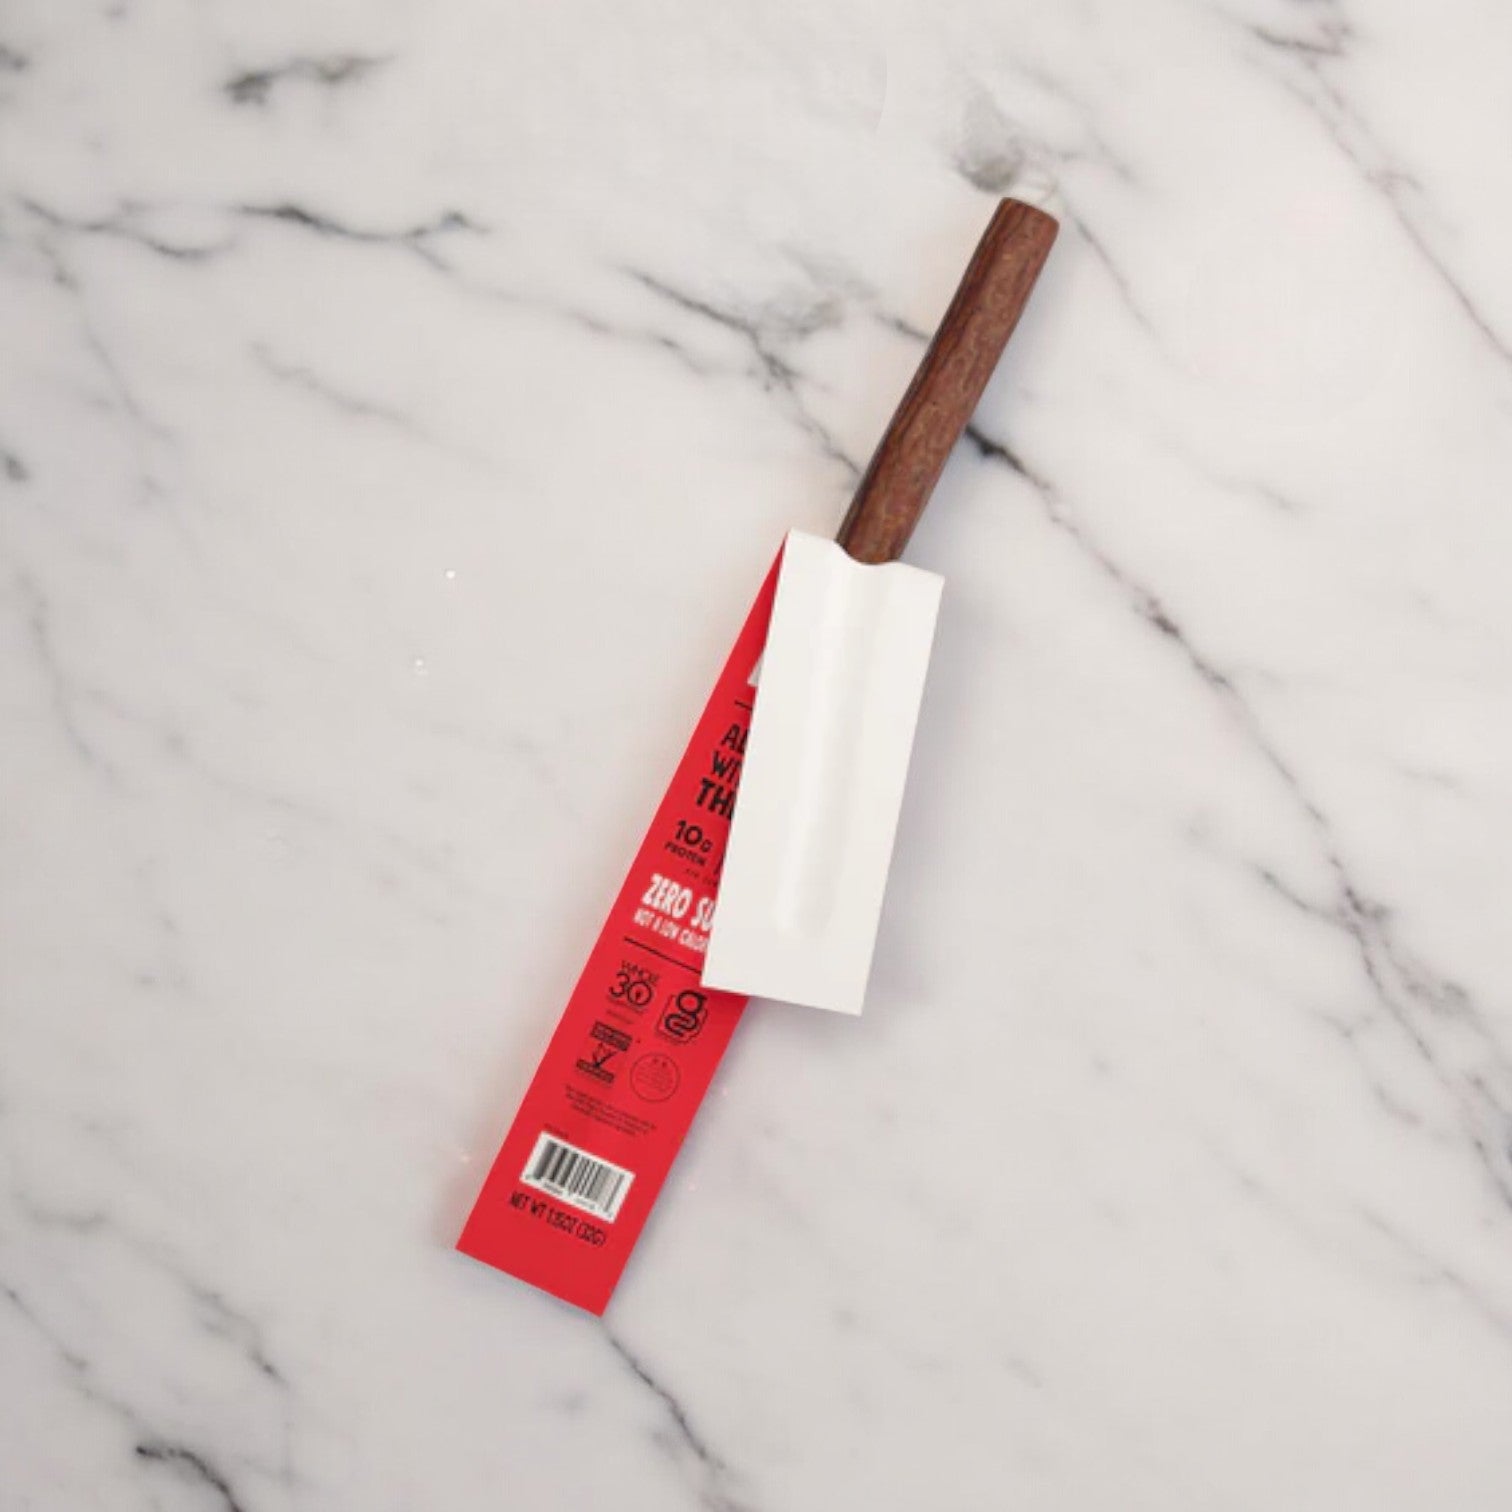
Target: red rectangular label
639, 1040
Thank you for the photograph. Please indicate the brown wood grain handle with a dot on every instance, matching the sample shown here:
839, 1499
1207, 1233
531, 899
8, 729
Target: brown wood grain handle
945, 390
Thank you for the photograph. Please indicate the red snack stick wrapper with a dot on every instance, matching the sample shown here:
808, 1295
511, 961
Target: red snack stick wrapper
639, 1040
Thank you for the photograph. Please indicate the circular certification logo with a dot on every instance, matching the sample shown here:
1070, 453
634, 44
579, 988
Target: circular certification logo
655, 1076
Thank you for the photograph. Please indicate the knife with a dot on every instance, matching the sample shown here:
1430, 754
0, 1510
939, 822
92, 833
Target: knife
843, 673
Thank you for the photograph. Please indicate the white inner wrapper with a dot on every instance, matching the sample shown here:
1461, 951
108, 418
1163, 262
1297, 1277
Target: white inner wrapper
822, 780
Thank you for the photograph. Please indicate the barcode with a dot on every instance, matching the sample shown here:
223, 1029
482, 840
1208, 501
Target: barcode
576, 1177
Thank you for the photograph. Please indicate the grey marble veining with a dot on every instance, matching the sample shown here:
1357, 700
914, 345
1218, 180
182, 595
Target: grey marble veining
399, 405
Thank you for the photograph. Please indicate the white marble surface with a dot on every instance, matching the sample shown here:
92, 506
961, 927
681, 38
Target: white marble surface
399, 402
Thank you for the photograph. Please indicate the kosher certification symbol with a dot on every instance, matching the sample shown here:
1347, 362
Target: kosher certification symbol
655, 1076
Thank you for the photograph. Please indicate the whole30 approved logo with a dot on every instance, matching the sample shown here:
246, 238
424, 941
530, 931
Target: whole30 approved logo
634, 986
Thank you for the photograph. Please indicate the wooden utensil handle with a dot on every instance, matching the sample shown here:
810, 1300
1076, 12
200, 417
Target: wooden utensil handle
949, 382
